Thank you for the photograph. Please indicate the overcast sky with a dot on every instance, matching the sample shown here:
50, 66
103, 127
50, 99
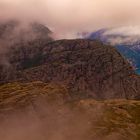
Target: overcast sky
66, 17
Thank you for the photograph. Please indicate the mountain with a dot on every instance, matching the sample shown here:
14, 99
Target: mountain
127, 45
65, 89
20, 43
88, 69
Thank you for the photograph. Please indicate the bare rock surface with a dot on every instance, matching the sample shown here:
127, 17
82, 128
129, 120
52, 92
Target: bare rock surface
87, 68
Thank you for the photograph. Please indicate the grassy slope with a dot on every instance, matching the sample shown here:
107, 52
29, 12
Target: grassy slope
107, 120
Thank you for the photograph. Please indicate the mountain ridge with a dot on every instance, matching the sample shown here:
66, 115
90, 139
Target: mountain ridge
127, 45
84, 66
78, 89
88, 68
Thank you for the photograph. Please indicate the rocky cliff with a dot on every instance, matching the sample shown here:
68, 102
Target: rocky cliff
88, 69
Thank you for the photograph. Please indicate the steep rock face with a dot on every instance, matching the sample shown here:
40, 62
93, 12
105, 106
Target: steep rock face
88, 69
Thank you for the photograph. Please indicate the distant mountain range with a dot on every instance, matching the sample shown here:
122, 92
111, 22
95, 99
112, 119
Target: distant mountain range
127, 45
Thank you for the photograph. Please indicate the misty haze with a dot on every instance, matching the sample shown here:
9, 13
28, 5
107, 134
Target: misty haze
69, 70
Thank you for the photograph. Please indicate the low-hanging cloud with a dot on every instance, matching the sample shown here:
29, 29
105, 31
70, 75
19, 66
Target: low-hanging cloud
65, 17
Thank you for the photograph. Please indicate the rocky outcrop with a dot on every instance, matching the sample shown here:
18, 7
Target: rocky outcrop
88, 69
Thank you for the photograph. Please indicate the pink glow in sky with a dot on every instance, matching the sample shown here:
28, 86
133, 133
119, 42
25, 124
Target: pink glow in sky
68, 16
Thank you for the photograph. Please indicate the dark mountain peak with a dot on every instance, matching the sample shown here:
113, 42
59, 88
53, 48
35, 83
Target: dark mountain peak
87, 68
